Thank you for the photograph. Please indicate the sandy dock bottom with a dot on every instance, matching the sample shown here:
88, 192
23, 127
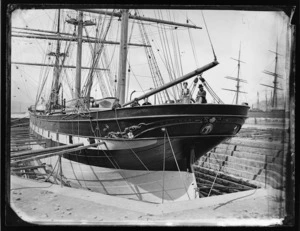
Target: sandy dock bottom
45, 203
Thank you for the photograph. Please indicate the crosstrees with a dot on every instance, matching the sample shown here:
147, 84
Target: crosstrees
276, 76
237, 79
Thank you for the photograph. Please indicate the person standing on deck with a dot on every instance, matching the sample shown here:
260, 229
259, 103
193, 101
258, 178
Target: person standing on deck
201, 95
116, 104
146, 102
185, 95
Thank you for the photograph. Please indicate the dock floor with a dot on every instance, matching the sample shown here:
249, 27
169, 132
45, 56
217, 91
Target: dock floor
49, 204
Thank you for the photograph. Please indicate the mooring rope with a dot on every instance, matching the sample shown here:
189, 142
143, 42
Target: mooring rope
220, 167
115, 165
52, 171
116, 117
164, 162
136, 154
176, 163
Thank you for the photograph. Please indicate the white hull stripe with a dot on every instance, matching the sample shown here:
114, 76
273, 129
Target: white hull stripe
109, 144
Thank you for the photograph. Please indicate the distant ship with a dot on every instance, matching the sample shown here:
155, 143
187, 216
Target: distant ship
272, 109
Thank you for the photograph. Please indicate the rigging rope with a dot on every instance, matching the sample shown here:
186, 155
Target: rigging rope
116, 117
193, 48
135, 153
164, 164
215, 57
96, 57
210, 90
219, 170
128, 78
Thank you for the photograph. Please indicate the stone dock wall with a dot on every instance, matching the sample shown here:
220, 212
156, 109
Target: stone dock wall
255, 161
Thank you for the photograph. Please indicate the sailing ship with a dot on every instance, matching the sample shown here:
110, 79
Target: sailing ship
144, 152
272, 109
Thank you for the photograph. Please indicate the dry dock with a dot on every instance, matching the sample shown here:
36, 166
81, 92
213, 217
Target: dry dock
240, 182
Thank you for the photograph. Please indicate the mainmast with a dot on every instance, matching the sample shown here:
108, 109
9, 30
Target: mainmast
276, 76
121, 84
79, 56
238, 79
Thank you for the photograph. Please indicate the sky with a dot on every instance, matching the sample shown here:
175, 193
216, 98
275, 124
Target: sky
256, 33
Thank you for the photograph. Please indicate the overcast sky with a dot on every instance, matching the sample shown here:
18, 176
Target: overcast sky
256, 31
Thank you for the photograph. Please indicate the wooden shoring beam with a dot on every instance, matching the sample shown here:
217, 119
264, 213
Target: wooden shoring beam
42, 155
26, 132
21, 138
17, 129
27, 143
26, 140
46, 150
27, 167
19, 149
19, 133
19, 124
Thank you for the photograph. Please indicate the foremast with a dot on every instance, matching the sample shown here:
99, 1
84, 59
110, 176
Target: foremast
54, 104
79, 57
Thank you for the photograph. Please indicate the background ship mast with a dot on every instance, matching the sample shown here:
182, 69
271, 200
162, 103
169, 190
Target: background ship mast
276, 76
237, 79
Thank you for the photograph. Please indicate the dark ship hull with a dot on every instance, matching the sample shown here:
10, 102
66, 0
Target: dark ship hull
151, 138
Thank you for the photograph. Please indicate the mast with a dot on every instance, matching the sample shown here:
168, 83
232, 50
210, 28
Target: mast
79, 56
266, 101
121, 84
57, 54
257, 100
274, 102
237, 79
276, 76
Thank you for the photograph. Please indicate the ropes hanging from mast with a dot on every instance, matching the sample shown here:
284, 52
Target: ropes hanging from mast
210, 90
167, 54
129, 68
95, 59
215, 57
193, 48
155, 72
